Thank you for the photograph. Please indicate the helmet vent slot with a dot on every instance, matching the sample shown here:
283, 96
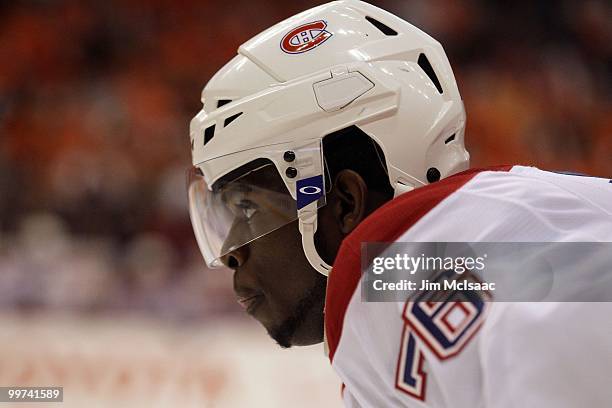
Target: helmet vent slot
449, 139
232, 118
426, 66
385, 29
222, 102
209, 133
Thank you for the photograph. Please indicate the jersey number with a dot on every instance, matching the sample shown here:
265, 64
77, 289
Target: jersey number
445, 327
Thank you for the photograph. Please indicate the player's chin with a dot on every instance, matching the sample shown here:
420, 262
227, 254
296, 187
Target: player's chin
297, 332
264, 314
279, 332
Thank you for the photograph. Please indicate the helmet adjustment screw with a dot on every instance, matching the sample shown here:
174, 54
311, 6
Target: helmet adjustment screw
433, 174
289, 156
291, 172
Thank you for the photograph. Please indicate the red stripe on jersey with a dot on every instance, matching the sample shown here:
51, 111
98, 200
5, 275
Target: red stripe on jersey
386, 224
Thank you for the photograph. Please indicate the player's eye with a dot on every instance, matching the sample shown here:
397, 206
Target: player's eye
248, 208
245, 209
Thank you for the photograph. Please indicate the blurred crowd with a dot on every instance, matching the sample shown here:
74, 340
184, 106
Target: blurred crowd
96, 97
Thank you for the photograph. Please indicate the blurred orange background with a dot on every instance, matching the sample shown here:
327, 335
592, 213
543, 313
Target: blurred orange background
95, 102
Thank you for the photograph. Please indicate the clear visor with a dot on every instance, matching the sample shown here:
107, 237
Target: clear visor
235, 211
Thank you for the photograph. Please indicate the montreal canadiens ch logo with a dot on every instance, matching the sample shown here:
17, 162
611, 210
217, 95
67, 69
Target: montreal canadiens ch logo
305, 37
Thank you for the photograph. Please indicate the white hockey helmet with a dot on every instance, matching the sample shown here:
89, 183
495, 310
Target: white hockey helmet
341, 64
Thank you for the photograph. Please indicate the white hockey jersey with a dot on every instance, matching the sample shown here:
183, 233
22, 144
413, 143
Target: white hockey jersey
514, 355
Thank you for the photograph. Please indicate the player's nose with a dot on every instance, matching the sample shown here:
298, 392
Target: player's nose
235, 258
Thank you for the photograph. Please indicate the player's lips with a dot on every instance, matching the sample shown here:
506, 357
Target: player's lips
250, 302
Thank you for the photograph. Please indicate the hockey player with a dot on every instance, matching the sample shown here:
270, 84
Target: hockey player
344, 125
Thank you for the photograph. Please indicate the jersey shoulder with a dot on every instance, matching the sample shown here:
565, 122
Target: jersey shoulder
391, 220
386, 224
493, 204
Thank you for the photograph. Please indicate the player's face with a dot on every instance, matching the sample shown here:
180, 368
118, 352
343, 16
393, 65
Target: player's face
275, 284
273, 280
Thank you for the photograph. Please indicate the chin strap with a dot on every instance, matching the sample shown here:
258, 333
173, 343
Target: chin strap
308, 227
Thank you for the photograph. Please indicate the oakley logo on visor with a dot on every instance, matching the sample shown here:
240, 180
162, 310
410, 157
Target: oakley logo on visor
305, 37
308, 190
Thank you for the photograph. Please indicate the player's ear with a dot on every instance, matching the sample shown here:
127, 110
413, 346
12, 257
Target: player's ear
350, 206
